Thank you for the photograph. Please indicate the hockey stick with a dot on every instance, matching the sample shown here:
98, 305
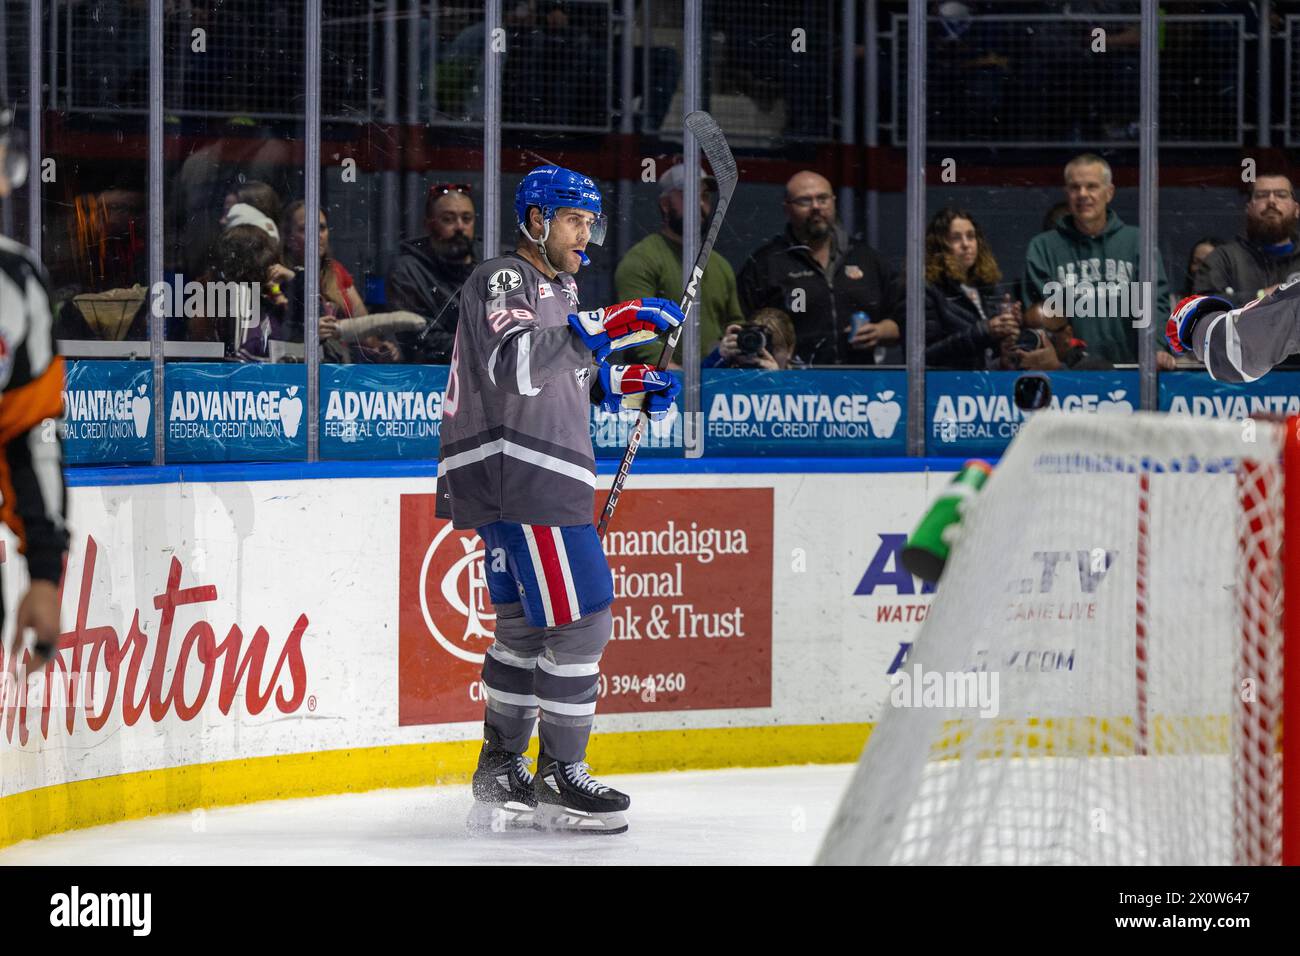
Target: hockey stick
714, 146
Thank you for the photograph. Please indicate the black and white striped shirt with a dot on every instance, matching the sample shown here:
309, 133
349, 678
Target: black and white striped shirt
32, 495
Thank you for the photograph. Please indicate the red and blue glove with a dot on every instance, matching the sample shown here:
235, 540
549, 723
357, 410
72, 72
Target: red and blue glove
626, 324
1180, 330
658, 387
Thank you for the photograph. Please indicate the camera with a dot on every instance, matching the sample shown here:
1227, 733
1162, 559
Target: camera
1033, 392
751, 339
1030, 340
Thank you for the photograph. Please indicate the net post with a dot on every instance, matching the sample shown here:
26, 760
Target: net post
1290, 643
1256, 811
1141, 741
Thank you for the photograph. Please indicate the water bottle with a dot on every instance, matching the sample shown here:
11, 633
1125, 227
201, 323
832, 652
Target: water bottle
927, 549
860, 319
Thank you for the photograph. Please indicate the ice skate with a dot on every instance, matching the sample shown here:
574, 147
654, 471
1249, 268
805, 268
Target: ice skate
570, 800
503, 790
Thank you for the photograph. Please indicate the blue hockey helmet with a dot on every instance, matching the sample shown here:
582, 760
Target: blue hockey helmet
553, 187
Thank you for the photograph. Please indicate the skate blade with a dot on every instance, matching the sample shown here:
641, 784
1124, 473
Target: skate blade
556, 819
487, 818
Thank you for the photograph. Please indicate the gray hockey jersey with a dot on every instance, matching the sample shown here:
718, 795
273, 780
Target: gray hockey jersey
1243, 344
515, 440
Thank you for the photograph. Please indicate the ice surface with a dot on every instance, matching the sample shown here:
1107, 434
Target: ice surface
727, 817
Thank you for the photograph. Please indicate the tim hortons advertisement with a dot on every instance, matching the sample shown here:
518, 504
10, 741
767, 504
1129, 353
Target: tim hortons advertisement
692, 608
174, 659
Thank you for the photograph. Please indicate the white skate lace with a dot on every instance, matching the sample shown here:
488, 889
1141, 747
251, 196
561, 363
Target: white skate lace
578, 776
524, 768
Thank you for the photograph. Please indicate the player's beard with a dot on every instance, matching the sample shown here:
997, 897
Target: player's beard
559, 257
1269, 231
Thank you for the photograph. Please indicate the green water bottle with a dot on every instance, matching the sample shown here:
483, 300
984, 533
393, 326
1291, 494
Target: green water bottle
926, 551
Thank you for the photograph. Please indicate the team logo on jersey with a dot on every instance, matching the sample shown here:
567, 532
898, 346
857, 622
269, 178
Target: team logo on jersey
853, 272
504, 281
544, 290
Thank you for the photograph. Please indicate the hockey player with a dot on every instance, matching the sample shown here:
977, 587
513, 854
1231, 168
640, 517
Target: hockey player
517, 465
1238, 344
31, 471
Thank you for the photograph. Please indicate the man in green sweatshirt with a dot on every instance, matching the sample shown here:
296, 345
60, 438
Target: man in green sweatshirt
653, 269
1086, 269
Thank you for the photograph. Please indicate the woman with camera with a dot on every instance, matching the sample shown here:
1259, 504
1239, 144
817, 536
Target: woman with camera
766, 341
338, 293
968, 315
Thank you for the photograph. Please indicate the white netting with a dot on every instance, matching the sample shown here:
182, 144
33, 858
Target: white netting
1118, 577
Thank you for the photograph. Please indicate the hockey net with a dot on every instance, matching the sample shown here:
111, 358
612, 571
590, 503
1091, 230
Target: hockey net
1117, 587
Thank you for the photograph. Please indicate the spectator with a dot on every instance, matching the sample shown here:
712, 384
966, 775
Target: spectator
122, 314
653, 268
340, 299
336, 284
1201, 250
821, 277
102, 244
197, 192
1049, 348
429, 272
253, 193
1250, 266
246, 255
966, 315
243, 214
774, 351
99, 268
1092, 246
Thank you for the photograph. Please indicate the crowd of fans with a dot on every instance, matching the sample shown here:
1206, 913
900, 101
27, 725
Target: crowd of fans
812, 296
1074, 301
257, 265
815, 296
